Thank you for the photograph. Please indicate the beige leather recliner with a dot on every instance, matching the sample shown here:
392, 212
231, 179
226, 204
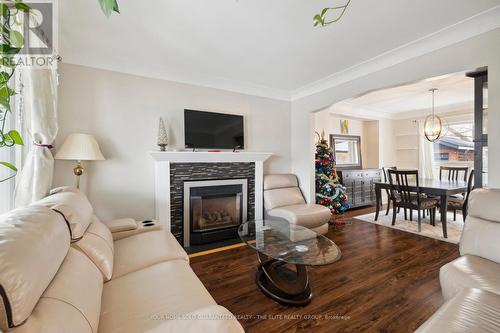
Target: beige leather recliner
283, 200
61, 271
471, 283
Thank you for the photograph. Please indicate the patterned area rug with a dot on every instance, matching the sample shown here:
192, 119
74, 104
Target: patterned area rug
454, 227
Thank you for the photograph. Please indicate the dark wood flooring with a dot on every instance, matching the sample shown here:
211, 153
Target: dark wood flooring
386, 281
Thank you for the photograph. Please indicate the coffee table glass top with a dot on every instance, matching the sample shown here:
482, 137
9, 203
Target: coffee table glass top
290, 243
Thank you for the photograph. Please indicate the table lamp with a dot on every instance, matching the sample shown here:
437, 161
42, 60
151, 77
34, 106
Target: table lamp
79, 147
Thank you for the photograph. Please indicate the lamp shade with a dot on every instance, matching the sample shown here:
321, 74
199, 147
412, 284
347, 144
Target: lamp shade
80, 147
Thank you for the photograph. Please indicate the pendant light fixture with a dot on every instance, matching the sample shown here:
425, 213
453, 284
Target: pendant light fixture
433, 125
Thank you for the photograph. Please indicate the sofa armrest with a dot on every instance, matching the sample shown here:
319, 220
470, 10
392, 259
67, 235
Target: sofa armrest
210, 319
120, 225
471, 310
123, 228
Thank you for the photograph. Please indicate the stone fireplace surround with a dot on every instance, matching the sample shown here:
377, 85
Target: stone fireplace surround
172, 169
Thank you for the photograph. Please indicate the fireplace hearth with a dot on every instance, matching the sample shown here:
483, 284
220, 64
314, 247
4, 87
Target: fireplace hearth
214, 209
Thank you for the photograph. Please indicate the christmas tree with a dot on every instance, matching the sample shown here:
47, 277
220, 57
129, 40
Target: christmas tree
329, 191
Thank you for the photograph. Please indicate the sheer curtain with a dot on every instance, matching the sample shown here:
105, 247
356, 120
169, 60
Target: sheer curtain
39, 107
426, 154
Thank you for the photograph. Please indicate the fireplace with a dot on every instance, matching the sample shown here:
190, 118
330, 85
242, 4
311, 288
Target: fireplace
214, 209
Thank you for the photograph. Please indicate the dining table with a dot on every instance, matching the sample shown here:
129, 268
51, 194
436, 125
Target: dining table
441, 189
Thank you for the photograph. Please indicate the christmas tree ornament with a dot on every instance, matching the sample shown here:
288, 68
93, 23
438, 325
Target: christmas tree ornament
162, 135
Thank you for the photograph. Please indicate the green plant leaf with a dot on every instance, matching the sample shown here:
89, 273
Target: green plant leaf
5, 10
16, 39
321, 18
5, 102
8, 165
4, 77
22, 6
16, 137
318, 20
109, 6
6, 49
115, 7
5, 93
7, 140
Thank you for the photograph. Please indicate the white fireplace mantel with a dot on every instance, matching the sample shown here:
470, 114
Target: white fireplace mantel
209, 157
162, 175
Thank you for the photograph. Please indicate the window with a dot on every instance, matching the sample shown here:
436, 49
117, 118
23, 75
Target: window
456, 147
441, 156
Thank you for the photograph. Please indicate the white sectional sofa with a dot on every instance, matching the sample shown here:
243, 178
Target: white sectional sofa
471, 283
62, 271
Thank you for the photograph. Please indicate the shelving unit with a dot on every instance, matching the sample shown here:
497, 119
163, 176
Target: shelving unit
407, 145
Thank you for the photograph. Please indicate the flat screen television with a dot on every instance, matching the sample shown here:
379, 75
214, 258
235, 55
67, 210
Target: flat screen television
210, 130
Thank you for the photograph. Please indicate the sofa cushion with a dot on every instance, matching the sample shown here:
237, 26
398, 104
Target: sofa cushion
33, 244
481, 238
145, 249
470, 311
75, 207
283, 197
483, 204
72, 301
143, 300
97, 244
309, 216
469, 272
280, 181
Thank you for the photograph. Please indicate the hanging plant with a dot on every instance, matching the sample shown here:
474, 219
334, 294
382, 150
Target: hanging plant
11, 43
109, 6
322, 18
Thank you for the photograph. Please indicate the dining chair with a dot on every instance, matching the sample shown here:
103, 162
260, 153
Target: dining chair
403, 196
455, 204
384, 171
453, 172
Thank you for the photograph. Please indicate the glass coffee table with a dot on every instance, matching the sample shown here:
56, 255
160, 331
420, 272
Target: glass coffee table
280, 246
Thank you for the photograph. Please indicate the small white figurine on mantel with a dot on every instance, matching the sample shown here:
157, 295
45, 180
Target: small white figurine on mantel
162, 135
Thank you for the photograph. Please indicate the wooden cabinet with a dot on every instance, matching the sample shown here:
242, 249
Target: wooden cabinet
360, 186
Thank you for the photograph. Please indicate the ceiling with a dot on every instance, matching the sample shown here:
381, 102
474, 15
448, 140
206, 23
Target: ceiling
261, 47
455, 93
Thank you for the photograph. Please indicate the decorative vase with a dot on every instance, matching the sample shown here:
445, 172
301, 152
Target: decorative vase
162, 135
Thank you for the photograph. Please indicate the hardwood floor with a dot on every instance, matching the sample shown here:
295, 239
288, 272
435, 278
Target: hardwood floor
386, 281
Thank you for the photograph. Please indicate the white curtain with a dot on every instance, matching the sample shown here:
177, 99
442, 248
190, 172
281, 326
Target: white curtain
39, 109
426, 151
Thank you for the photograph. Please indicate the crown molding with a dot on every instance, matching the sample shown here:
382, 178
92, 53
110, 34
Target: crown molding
346, 109
475, 25
459, 108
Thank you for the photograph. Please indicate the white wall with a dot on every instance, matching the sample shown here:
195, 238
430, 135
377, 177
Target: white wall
324, 120
122, 111
387, 143
370, 144
482, 50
